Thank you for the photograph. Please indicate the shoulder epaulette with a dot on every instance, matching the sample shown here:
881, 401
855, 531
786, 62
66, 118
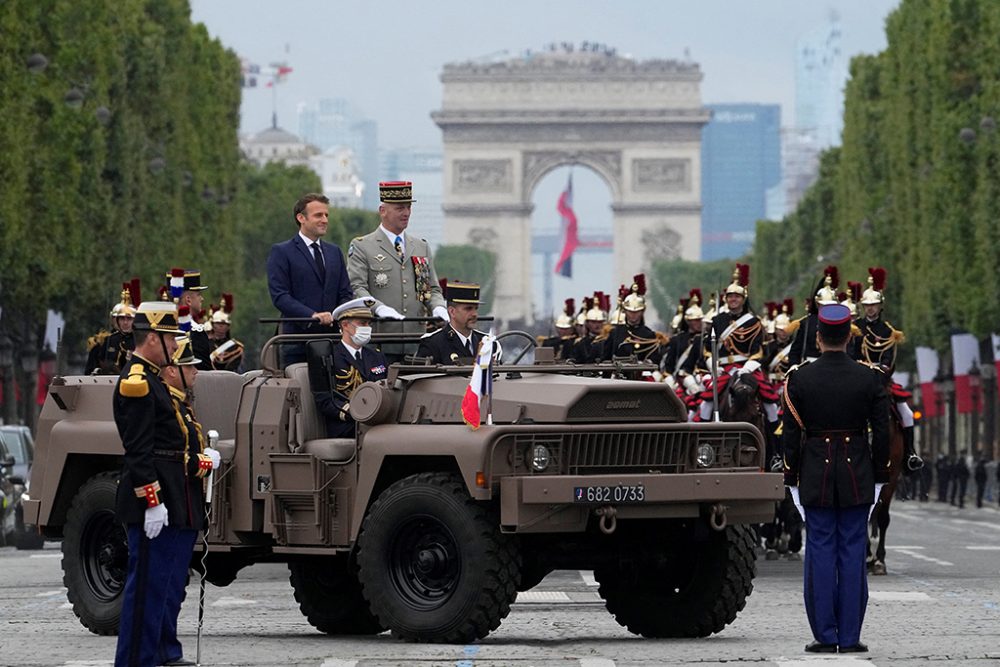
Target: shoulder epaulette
794, 325
855, 330
97, 339
796, 367
135, 385
896, 335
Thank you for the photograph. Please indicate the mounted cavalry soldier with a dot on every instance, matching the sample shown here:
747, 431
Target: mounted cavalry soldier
875, 343
632, 337
396, 269
777, 350
109, 352
588, 348
562, 342
804, 346
682, 359
227, 352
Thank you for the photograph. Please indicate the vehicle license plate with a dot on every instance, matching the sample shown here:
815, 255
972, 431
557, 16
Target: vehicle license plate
610, 494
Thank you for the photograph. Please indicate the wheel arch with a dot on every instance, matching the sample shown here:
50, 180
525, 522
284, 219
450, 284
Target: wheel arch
75, 472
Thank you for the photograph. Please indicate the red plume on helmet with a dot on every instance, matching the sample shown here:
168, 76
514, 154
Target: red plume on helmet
603, 301
623, 292
854, 289
588, 303
789, 306
684, 304
135, 292
164, 293
227, 302
639, 280
878, 277
834, 274
570, 308
695, 293
743, 271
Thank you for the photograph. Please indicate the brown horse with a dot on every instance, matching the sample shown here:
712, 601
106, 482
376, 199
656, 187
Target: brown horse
879, 520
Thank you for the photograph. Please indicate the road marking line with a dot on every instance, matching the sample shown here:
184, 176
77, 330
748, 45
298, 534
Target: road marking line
55, 555
338, 662
88, 663
232, 602
543, 596
823, 661
899, 596
901, 547
936, 561
983, 548
588, 577
596, 662
48, 594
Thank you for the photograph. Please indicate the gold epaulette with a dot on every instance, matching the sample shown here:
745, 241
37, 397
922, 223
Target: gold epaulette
135, 385
855, 329
606, 330
662, 338
97, 339
794, 325
897, 336
541, 338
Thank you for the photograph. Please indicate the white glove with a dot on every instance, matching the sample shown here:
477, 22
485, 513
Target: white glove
215, 456
750, 367
441, 313
794, 490
387, 312
878, 494
156, 519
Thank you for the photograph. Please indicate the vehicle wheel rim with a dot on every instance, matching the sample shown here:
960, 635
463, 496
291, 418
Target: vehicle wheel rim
104, 554
424, 563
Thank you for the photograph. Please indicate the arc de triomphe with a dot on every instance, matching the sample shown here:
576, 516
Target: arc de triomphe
507, 124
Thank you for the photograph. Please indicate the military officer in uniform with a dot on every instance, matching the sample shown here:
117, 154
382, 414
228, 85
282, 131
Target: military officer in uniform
776, 350
160, 496
562, 342
186, 291
633, 337
108, 353
396, 269
227, 352
804, 329
683, 353
835, 474
458, 341
589, 348
337, 369
875, 343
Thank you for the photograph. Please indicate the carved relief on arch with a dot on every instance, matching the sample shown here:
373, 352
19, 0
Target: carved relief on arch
484, 237
606, 163
482, 176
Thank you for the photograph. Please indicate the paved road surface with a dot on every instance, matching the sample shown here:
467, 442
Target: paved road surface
939, 603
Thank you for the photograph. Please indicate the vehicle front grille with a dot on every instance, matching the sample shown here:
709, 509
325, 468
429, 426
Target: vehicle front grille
589, 453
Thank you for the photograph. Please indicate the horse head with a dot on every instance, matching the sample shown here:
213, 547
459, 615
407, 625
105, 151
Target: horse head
741, 401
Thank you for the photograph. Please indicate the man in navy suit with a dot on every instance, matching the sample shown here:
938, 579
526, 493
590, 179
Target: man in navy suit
307, 277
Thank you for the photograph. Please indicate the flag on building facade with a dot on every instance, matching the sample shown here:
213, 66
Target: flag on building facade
564, 266
480, 384
927, 369
965, 356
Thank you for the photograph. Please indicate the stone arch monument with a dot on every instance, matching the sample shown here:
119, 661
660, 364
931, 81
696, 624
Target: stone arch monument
508, 123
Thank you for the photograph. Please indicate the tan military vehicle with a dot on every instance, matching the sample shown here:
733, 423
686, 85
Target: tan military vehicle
422, 525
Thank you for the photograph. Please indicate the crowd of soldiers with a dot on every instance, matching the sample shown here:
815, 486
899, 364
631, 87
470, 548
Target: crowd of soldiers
726, 337
108, 352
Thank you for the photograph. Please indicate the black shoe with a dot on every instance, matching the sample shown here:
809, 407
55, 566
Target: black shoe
178, 661
816, 647
857, 648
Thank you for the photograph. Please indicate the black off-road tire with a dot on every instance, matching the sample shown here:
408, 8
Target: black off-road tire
329, 596
692, 590
95, 555
434, 565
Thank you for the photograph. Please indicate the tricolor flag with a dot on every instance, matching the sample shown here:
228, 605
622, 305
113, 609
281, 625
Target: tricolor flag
927, 369
965, 355
996, 356
564, 266
481, 382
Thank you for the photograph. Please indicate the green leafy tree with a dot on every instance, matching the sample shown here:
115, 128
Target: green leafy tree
469, 264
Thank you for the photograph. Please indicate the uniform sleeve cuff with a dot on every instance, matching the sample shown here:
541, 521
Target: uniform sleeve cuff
151, 492
204, 465
791, 480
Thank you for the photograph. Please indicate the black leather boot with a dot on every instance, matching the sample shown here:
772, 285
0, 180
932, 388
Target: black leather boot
912, 462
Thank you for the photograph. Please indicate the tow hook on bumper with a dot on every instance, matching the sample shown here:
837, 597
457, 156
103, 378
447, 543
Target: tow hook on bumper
609, 519
717, 518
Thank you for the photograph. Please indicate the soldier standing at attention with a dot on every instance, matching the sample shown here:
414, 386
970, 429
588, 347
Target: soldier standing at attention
835, 475
186, 291
396, 269
160, 497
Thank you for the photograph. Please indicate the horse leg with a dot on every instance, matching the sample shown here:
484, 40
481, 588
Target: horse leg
882, 516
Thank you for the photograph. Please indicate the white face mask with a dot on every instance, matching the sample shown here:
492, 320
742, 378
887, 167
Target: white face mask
361, 336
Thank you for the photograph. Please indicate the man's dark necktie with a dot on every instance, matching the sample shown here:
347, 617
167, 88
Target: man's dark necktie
468, 346
399, 247
318, 258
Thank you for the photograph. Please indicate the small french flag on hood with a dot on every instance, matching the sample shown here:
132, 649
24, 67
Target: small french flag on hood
481, 382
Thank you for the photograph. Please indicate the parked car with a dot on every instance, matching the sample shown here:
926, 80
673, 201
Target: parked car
17, 452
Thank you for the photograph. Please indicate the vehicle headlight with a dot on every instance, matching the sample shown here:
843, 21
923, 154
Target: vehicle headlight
705, 456
539, 458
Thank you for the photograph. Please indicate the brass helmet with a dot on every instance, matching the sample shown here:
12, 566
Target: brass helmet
130, 296
588, 304
827, 292
599, 310
565, 318
220, 313
876, 283
712, 311
618, 316
741, 281
693, 310
852, 297
675, 323
636, 299
784, 319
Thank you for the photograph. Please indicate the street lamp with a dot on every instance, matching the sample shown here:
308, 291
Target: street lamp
103, 115
37, 63
74, 98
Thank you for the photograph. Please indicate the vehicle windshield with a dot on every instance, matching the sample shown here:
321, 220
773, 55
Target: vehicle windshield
17, 443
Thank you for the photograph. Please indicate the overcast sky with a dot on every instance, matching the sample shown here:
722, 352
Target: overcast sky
386, 56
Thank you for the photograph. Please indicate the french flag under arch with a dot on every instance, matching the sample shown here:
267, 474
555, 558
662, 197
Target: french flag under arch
564, 266
480, 384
